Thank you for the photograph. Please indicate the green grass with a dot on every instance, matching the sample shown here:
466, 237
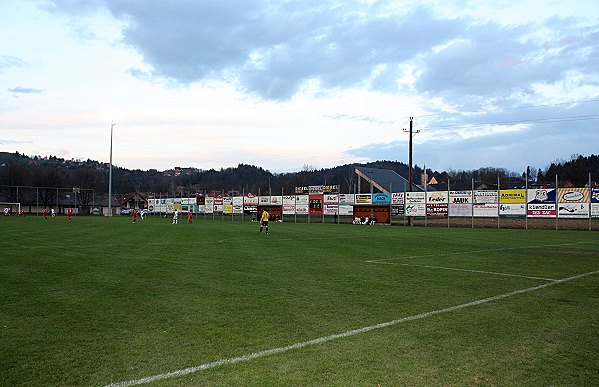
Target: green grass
102, 300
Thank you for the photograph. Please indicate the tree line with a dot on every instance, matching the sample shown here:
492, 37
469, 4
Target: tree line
52, 172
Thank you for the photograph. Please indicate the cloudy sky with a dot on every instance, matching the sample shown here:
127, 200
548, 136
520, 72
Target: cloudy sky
285, 84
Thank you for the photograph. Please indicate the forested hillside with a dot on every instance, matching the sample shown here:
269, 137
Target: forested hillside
21, 170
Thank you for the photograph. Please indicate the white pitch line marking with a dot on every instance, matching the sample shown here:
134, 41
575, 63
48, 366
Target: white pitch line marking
272, 351
385, 260
475, 271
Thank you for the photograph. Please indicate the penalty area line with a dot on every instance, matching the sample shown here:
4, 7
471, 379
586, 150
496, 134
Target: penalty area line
273, 351
434, 255
475, 271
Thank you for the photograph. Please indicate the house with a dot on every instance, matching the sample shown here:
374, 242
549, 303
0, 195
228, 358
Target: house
136, 200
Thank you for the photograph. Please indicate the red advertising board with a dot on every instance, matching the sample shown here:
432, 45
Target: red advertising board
316, 204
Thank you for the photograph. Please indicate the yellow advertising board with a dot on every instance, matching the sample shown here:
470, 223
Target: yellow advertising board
514, 196
363, 199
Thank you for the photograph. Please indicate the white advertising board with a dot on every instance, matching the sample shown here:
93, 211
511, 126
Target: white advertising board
346, 209
330, 199
250, 200
397, 198
460, 197
459, 209
437, 197
486, 197
512, 210
415, 198
573, 210
489, 210
302, 200
415, 209
346, 199
209, 207
288, 209
302, 209
331, 209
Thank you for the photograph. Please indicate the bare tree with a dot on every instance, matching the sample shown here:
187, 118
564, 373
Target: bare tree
14, 175
84, 181
48, 180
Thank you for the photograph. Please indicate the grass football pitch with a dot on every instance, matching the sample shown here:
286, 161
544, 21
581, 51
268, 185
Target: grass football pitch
102, 301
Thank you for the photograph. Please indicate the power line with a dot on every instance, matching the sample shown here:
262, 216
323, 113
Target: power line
507, 109
514, 122
392, 134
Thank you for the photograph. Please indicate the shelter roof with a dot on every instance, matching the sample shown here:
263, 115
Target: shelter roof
386, 180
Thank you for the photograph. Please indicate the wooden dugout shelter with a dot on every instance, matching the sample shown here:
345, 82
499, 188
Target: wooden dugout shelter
375, 180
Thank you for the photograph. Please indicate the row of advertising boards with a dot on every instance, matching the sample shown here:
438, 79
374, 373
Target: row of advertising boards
539, 203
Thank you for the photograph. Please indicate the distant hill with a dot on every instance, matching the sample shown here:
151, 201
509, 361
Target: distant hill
13, 158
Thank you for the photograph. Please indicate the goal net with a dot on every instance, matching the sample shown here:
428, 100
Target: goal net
10, 208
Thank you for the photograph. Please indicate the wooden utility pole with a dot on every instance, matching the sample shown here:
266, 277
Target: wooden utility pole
410, 161
411, 131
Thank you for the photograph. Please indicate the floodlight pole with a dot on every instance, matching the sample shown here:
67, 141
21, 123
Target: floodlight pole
112, 124
371, 193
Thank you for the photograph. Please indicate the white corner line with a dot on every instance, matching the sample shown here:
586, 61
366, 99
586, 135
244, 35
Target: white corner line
268, 352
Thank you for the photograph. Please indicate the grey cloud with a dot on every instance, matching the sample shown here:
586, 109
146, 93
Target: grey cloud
12, 142
549, 133
271, 48
25, 90
498, 61
343, 53
482, 63
513, 151
7, 61
73, 7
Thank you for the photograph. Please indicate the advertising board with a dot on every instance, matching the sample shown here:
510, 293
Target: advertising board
487, 210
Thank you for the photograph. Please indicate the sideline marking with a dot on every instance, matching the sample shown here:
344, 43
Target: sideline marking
272, 351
